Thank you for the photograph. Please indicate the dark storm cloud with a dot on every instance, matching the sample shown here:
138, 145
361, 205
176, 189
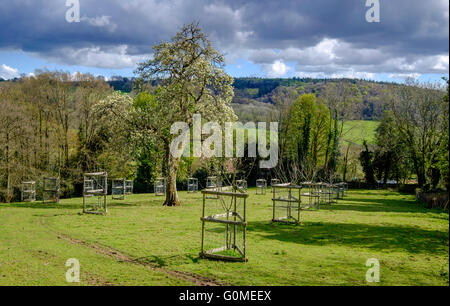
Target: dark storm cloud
417, 25
327, 36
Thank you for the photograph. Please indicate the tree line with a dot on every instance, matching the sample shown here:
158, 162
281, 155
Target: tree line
254, 98
49, 127
412, 139
59, 124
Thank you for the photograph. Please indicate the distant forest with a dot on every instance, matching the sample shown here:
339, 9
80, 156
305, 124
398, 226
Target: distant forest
255, 97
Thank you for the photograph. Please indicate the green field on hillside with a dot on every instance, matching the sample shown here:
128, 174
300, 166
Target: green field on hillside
141, 242
359, 130
355, 131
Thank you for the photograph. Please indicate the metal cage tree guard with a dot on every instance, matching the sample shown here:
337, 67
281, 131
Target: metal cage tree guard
118, 189
274, 182
343, 187
95, 190
310, 191
330, 193
261, 186
325, 193
28, 191
160, 186
334, 190
213, 184
286, 200
242, 185
228, 219
51, 189
129, 185
192, 185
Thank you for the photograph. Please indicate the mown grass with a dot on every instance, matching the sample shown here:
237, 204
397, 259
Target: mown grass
330, 247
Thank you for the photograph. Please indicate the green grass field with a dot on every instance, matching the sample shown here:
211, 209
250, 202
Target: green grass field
142, 243
359, 130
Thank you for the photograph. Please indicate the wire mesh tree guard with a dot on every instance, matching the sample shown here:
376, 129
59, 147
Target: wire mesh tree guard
160, 186
286, 199
325, 193
224, 225
95, 190
274, 182
242, 185
334, 189
261, 186
28, 191
192, 185
343, 187
310, 191
118, 189
129, 186
51, 189
213, 183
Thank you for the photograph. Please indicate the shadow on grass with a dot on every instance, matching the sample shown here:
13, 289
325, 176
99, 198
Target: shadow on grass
40, 205
392, 238
192, 258
376, 192
378, 205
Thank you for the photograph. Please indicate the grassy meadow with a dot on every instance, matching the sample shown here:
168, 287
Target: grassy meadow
141, 242
357, 131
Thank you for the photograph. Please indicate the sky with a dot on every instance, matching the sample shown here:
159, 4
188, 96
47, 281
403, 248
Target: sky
259, 38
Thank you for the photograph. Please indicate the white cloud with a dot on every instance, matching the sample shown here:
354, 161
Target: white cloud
351, 74
441, 63
348, 74
323, 52
101, 22
278, 69
115, 57
404, 76
333, 58
7, 72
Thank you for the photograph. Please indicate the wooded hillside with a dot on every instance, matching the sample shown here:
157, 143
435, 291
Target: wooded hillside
254, 97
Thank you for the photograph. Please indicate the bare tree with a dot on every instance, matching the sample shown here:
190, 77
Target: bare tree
419, 114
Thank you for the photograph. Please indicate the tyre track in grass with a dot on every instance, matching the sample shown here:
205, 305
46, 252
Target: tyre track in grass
196, 279
46, 257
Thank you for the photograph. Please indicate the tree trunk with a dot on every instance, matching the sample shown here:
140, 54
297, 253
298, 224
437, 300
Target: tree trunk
387, 169
41, 150
8, 166
66, 141
421, 179
344, 176
327, 151
171, 178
